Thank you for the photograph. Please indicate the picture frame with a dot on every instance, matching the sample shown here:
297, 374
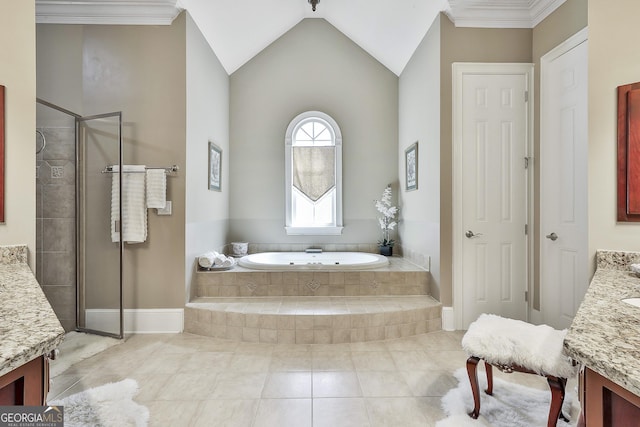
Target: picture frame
215, 167
628, 161
411, 167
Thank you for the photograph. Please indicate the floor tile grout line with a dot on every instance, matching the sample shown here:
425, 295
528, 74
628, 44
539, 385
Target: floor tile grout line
211, 345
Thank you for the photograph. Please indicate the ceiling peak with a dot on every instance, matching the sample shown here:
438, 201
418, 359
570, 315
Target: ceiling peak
237, 30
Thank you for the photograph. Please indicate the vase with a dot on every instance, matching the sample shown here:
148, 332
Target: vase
239, 249
386, 250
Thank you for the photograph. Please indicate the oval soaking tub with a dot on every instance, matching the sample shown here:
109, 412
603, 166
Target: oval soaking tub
313, 261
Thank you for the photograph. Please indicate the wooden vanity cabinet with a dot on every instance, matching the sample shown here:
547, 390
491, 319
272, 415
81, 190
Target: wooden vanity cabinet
27, 385
606, 404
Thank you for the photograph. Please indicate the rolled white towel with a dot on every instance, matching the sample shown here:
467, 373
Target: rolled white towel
206, 260
228, 262
218, 260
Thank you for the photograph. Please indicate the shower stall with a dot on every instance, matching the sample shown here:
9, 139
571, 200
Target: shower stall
79, 261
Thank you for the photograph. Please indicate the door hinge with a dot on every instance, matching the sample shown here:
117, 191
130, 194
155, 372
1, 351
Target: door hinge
526, 162
526, 296
526, 96
526, 229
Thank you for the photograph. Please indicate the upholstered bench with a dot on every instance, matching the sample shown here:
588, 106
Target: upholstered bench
513, 345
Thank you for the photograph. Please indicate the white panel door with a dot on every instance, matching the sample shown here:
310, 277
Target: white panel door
492, 195
563, 182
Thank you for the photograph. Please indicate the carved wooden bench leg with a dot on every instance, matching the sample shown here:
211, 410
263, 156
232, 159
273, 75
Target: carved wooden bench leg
472, 365
489, 370
557, 386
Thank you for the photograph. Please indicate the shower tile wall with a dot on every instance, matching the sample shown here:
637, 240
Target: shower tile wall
55, 222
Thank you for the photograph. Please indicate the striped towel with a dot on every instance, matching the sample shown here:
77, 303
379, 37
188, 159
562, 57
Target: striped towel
156, 188
134, 211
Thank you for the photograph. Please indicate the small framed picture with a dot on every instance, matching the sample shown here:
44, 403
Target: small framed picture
411, 166
215, 167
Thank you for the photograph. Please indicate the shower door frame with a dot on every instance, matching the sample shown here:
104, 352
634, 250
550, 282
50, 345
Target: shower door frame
79, 272
78, 119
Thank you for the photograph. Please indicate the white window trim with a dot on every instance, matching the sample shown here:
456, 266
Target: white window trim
314, 231
320, 230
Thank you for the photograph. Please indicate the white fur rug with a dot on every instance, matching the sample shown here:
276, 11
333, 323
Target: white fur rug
110, 405
78, 346
512, 405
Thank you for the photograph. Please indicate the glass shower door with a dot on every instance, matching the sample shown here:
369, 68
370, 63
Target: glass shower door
100, 247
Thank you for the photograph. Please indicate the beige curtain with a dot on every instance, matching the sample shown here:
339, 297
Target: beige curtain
314, 170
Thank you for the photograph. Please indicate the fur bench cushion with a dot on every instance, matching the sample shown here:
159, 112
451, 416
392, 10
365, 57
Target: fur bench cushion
502, 341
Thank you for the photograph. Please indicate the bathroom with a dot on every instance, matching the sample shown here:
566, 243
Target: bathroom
245, 110
251, 108
246, 114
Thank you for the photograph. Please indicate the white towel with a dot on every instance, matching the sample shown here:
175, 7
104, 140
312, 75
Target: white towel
134, 211
218, 260
156, 188
206, 260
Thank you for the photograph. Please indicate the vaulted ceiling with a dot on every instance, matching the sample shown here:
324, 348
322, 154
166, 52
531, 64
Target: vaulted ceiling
390, 30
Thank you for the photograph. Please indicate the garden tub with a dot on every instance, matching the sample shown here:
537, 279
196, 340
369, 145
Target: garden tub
313, 261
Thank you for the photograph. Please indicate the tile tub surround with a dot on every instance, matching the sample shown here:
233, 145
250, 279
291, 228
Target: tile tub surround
56, 217
28, 326
605, 333
400, 277
314, 307
313, 320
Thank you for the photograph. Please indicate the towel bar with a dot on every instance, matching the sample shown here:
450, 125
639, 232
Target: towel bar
168, 169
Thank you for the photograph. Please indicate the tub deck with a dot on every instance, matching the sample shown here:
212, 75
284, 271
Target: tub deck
314, 307
313, 320
399, 277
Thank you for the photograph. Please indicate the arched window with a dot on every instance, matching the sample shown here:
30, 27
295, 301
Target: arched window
313, 175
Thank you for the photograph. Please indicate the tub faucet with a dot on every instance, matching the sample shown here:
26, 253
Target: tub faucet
313, 250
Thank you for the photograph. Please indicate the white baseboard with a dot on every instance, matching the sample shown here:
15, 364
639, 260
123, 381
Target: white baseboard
448, 319
139, 321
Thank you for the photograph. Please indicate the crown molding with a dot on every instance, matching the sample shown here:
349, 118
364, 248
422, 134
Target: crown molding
109, 12
463, 13
543, 8
500, 13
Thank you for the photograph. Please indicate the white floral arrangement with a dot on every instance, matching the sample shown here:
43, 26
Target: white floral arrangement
387, 220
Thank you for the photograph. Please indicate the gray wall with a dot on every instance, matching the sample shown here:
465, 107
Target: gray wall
141, 71
613, 29
207, 212
59, 67
465, 45
59, 53
311, 67
419, 120
493, 45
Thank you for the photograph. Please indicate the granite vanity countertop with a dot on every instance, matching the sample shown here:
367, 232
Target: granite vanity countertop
605, 333
28, 326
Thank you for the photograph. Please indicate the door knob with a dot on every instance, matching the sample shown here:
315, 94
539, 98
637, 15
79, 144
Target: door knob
470, 234
553, 237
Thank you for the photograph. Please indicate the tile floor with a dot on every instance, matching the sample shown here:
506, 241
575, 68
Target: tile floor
190, 380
